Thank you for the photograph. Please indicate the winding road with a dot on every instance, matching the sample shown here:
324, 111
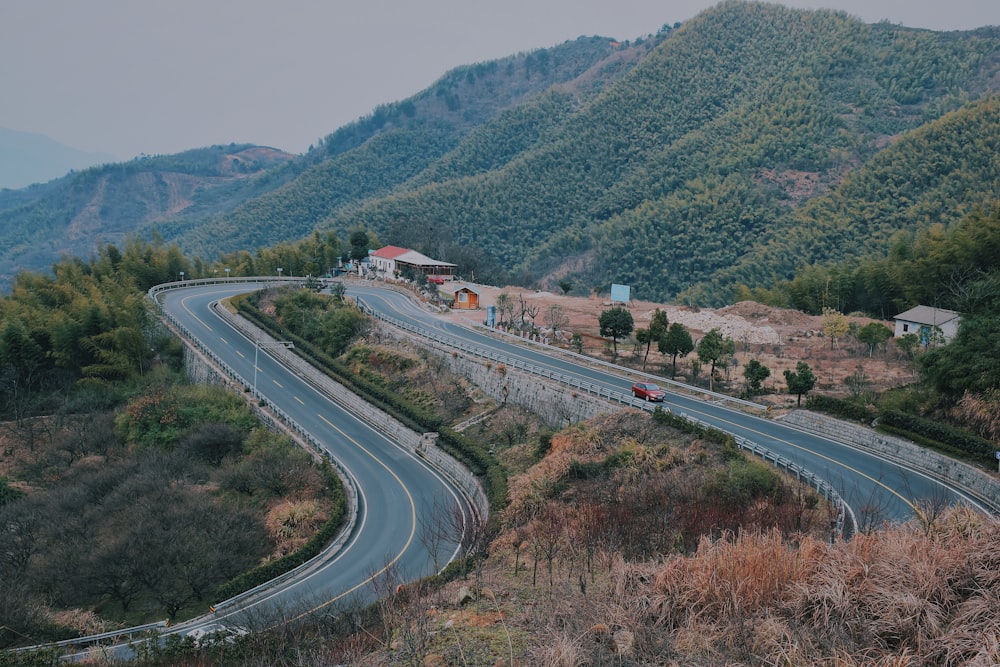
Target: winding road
405, 507
400, 533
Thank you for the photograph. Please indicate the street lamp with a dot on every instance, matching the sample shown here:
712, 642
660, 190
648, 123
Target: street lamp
256, 352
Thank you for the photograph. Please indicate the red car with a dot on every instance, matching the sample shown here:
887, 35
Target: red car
648, 391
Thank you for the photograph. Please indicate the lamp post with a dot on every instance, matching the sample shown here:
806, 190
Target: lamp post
256, 352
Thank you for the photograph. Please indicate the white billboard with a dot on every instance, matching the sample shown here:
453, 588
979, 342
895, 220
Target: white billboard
621, 293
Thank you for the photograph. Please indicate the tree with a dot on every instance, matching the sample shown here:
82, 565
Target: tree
338, 290
360, 244
908, 344
835, 325
755, 373
565, 286
677, 342
616, 322
527, 309
801, 381
657, 330
505, 308
858, 384
969, 363
872, 335
712, 349
556, 318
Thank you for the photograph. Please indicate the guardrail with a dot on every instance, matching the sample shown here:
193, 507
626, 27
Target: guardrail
846, 520
678, 387
95, 641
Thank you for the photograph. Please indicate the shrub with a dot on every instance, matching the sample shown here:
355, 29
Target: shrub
972, 445
839, 407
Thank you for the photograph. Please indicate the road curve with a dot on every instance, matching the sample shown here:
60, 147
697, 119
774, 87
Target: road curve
401, 499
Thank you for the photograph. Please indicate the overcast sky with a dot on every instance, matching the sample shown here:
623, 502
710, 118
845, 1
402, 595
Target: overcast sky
127, 77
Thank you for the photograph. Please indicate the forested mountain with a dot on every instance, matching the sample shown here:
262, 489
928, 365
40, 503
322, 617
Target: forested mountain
420, 139
230, 198
700, 159
714, 157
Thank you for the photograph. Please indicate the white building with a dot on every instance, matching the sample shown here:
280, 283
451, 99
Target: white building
923, 320
390, 261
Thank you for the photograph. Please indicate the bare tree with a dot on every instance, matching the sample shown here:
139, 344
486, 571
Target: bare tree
527, 309
556, 318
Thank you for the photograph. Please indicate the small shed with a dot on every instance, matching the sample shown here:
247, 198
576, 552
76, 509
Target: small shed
463, 296
922, 320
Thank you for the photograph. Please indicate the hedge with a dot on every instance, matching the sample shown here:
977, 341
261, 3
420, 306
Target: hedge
309, 550
967, 443
838, 407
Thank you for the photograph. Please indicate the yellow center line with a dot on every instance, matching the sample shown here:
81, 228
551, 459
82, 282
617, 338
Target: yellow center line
387, 566
190, 312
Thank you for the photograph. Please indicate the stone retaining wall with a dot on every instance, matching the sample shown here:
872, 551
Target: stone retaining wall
556, 404
974, 480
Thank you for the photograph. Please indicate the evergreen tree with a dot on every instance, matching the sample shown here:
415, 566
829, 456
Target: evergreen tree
617, 323
677, 343
801, 381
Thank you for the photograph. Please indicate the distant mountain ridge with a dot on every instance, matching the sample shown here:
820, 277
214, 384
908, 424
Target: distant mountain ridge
79, 212
27, 158
724, 153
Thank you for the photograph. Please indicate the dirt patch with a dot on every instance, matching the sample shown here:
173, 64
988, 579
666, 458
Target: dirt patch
777, 337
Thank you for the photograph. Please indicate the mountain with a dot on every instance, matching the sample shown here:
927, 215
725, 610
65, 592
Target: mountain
700, 157
208, 209
77, 213
27, 158
724, 153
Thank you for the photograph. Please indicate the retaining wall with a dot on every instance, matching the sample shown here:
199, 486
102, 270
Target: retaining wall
421, 444
556, 404
976, 481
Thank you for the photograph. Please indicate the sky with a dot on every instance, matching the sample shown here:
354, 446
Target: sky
132, 77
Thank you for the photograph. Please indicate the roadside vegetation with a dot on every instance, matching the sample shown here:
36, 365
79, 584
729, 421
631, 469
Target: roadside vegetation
629, 542
604, 533
128, 495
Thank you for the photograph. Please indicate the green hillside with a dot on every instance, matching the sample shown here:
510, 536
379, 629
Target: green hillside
408, 140
700, 157
75, 214
225, 199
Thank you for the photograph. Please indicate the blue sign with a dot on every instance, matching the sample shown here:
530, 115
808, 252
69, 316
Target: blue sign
621, 293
